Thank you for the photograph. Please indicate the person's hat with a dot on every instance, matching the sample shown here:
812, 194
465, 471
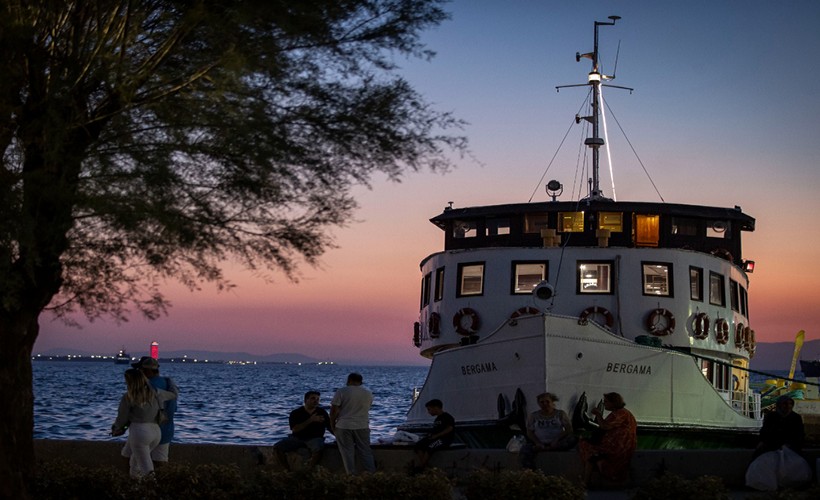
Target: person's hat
146, 362
784, 398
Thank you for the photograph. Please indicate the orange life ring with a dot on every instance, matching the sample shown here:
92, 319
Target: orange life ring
739, 329
652, 322
466, 312
701, 324
609, 321
434, 324
721, 331
525, 311
417, 334
747, 337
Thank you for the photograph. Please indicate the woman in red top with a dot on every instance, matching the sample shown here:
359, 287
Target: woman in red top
612, 454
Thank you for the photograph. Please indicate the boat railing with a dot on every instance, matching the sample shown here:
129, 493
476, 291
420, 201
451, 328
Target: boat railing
745, 403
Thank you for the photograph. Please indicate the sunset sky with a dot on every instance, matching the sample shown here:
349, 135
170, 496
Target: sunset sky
725, 112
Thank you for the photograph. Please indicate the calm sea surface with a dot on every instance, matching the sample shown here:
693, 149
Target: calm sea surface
218, 403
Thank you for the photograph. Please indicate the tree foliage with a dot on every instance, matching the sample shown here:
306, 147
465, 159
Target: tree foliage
147, 140
155, 139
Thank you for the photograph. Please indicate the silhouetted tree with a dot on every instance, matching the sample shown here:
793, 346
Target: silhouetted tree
154, 139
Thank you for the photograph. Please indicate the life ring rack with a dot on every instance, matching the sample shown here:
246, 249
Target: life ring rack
721, 331
525, 311
701, 326
653, 320
472, 315
609, 320
434, 325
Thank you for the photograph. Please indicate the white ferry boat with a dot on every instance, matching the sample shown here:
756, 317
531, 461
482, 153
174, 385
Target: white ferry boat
585, 297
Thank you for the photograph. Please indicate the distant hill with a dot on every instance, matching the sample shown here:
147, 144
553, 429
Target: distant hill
778, 355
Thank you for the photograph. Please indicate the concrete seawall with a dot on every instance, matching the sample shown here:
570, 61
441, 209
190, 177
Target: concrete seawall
730, 465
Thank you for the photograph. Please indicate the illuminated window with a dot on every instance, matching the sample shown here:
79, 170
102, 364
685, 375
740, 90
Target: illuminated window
647, 230
594, 277
439, 284
614, 221
657, 279
464, 229
470, 279
534, 223
696, 283
716, 295
528, 274
571, 222
497, 227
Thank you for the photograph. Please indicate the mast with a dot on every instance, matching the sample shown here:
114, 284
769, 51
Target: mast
594, 79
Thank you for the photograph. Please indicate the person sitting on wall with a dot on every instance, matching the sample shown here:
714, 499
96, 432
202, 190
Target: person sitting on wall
441, 437
307, 424
610, 454
782, 427
548, 429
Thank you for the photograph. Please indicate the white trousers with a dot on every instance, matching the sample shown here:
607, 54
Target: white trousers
142, 438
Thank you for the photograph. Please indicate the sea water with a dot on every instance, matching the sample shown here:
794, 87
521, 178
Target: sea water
218, 403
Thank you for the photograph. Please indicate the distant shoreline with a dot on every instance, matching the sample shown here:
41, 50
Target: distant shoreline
110, 359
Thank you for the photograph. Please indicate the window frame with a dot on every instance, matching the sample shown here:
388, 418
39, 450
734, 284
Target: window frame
670, 282
438, 287
699, 271
722, 280
460, 279
514, 274
579, 290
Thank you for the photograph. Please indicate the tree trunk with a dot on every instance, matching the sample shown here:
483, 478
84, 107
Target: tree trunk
16, 408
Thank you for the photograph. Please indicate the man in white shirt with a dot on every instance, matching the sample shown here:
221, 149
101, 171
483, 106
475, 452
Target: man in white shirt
350, 422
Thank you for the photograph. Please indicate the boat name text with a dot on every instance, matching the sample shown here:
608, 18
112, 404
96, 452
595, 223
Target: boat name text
627, 368
478, 368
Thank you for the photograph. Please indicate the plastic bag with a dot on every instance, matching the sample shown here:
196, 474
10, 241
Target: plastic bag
402, 437
762, 472
515, 443
792, 469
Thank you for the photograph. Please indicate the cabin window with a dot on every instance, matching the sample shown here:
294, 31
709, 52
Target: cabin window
734, 295
534, 223
594, 277
647, 230
683, 226
439, 288
425, 290
706, 369
716, 295
614, 221
571, 222
464, 229
744, 302
718, 229
718, 374
657, 279
526, 275
696, 284
470, 279
496, 227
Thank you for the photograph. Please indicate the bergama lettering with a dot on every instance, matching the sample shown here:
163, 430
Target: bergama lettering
478, 368
627, 368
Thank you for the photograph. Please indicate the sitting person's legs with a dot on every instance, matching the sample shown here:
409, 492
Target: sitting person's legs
285, 446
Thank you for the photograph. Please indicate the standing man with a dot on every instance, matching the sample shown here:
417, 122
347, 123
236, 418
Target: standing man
350, 422
307, 424
150, 368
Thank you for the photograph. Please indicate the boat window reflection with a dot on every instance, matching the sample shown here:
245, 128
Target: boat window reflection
716, 295
464, 229
526, 275
594, 277
657, 279
439, 284
496, 227
534, 223
471, 279
696, 284
614, 221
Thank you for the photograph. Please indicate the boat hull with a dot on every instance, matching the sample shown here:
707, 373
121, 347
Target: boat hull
490, 386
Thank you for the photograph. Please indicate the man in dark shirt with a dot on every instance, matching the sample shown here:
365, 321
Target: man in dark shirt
781, 427
307, 424
444, 430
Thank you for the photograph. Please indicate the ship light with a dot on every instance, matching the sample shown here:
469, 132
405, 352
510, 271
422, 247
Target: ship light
594, 77
749, 266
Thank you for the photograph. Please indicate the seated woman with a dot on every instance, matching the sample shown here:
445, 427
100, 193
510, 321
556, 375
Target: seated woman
548, 429
611, 455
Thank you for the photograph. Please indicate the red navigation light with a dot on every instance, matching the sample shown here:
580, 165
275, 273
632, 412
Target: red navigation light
749, 266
